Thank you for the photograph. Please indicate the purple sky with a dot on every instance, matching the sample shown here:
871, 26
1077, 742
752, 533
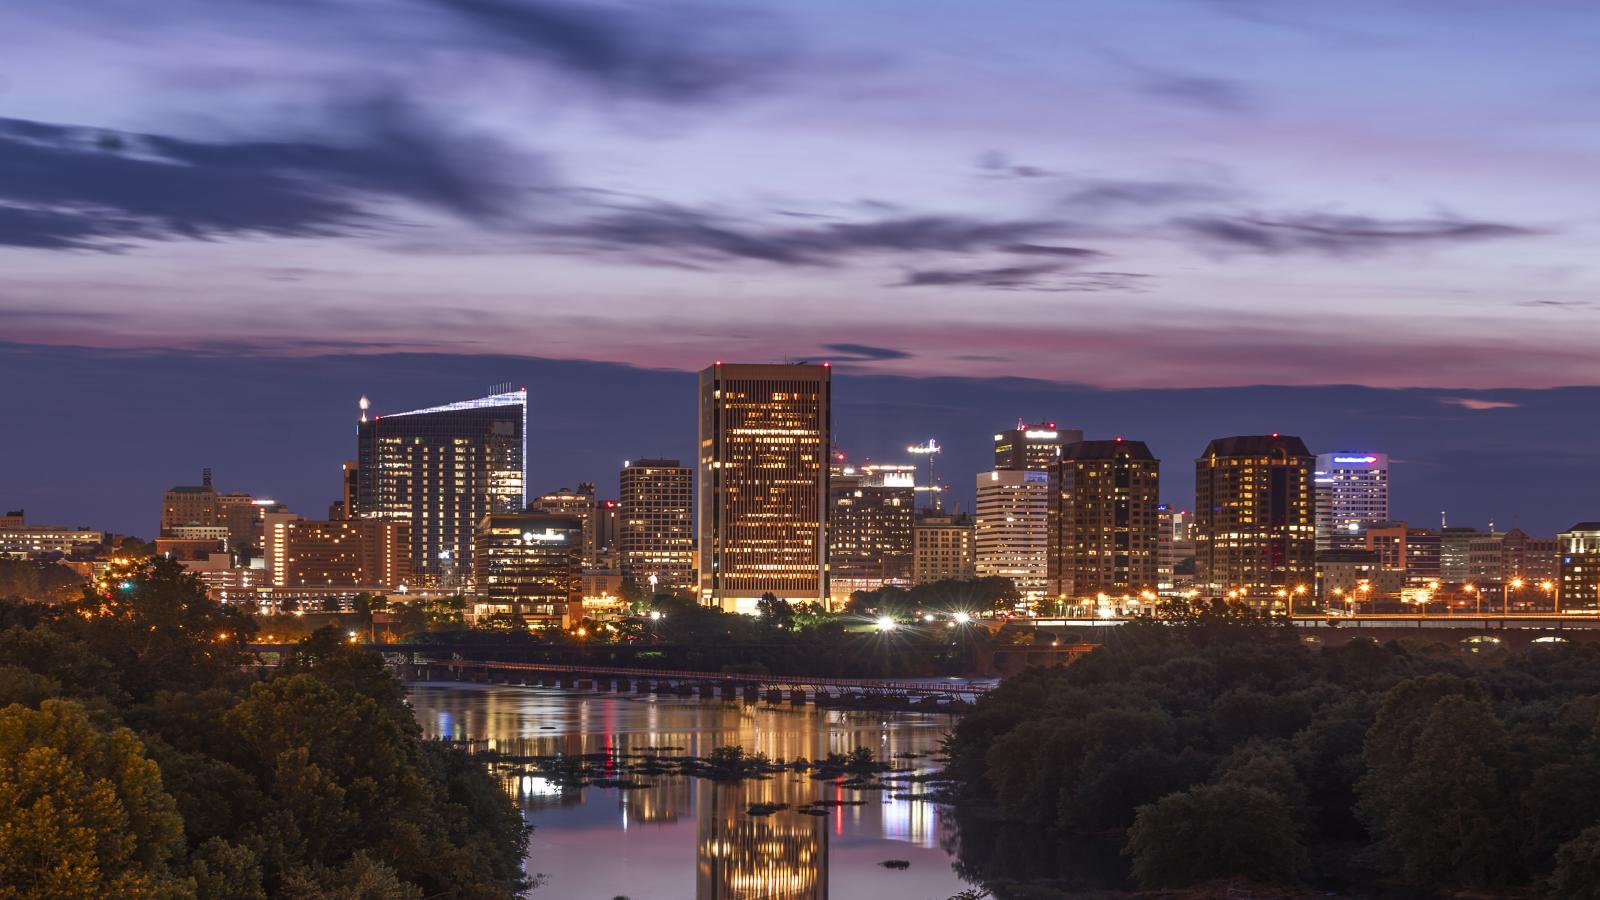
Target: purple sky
1395, 193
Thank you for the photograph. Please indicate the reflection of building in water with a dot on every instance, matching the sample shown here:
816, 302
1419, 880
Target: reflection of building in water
783, 856
911, 821
664, 800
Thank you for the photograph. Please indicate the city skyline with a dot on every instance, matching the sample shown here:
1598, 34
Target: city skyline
1181, 193
291, 427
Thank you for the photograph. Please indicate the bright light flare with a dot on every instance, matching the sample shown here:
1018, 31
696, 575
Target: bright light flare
885, 623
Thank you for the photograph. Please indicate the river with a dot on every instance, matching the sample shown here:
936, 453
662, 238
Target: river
685, 837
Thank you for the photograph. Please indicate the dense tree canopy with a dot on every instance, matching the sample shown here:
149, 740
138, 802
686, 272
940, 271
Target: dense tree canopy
1219, 747
141, 757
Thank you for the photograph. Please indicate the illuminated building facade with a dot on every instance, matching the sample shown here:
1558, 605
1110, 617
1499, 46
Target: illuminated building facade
1455, 553
1352, 490
656, 527
1255, 523
765, 431
1104, 525
1495, 557
1011, 530
1578, 587
1401, 548
942, 548
19, 540
580, 504
529, 567
368, 553
1174, 550
870, 511
1032, 447
443, 469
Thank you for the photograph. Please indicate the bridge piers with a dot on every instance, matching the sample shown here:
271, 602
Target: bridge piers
707, 689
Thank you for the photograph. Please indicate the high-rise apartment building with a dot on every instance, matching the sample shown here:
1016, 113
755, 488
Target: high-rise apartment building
1032, 447
367, 553
529, 567
656, 523
1011, 530
1352, 490
1255, 525
1103, 519
1579, 585
870, 510
942, 548
765, 431
442, 469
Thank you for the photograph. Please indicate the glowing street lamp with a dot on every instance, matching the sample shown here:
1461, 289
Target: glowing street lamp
885, 623
1505, 595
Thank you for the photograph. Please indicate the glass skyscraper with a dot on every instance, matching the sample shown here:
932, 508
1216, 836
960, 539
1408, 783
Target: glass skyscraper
443, 469
1352, 493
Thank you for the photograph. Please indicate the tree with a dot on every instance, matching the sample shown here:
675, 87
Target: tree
1214, 831
775, 610
1577, 871
84, 812
1432, 795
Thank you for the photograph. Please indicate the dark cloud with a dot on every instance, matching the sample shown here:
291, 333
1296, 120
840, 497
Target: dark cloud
995, 164
676, 55
73, 187
1203, 91
1050, 250
646, 231
865, 352
1336, 234
1042, 277
1106, 195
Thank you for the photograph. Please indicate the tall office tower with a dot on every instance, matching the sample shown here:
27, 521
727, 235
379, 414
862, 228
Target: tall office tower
368, 553
443, 469
1352, 490
189, 505
1255, 520
528, 567
1174, 550
1455, 553
1414, 551
656, 522
1579, 585
241, 515
579, 504
1011, 533
942, 548
1032, 447
765, 431
1103, 522
870, 510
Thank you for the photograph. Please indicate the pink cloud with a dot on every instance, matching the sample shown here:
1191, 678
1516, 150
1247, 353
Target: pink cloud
1477, 403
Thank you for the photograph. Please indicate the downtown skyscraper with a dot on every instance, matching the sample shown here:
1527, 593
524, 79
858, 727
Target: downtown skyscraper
443, 469
765, 434
1352, 493
1255, 528
1104, 520
1011, 531
1032, 447
656, 522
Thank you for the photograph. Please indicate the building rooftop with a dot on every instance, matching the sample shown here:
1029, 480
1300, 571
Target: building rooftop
1585, 526
1107, 450
1257, 445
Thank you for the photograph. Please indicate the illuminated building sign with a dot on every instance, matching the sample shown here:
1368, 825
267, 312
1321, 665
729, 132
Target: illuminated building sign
1363, 460
1041, 435
549, 536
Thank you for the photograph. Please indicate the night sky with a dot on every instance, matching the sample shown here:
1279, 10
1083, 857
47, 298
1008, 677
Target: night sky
222, 221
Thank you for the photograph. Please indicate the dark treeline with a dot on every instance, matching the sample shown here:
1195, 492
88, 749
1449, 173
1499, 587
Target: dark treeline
140, 758
1211, 748
783, 639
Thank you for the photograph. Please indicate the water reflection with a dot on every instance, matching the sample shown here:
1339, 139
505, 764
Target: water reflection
679, 837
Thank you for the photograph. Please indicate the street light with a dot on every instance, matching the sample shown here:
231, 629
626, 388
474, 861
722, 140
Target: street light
1477, 595
886, 623
1549, 587
1505, 595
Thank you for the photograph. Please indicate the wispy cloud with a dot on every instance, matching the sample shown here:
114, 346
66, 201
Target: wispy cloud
865, 352
1334, 234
